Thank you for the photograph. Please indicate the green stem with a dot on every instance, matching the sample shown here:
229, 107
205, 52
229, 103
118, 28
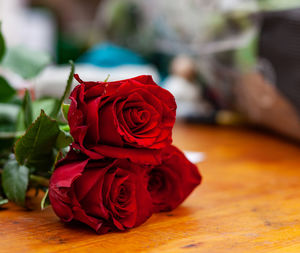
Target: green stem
39, 180
42, 181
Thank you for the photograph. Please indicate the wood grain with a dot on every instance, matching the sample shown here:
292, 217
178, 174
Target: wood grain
249, 202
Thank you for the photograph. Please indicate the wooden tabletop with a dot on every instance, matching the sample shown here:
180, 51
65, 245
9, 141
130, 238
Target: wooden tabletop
249, 201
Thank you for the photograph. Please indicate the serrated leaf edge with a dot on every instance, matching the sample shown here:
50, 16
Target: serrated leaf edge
30, 127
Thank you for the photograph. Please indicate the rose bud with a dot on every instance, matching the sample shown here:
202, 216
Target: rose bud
107, 195
171, 182
130, 118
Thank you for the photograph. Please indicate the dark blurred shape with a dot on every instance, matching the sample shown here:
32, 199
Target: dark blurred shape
279, 44
124, 21
74, 21
70, 14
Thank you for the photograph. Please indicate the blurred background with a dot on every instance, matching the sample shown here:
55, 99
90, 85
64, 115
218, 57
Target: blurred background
227, 62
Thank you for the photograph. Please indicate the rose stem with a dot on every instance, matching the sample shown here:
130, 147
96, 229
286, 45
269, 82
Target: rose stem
42, 181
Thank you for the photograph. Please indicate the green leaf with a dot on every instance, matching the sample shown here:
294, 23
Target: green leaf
27, 109
6, 91
35, 148
25, 62
15, 181
57, 107
45, 200
2, 45
65, 109
45, 104
63, 140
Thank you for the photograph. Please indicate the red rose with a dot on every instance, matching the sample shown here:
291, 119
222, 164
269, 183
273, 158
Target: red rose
105, 194
130, 118
171, 182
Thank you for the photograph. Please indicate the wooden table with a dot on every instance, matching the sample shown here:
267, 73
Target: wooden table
249, 201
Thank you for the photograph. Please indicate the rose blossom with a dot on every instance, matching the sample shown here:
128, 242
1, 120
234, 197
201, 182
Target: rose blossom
171, 182
105, 194
130, 118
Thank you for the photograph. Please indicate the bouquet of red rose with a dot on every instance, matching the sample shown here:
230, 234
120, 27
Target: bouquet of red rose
111, 165
121, 166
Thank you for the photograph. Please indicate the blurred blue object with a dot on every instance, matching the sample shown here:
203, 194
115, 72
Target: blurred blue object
108, 55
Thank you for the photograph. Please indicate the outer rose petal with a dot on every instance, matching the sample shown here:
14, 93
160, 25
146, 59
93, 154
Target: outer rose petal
61, 209
66, 172
171, 182
136, 155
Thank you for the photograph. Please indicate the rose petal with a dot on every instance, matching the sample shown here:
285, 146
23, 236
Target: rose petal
65, 175
107, 126
92, 121
61, 209
141, 156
